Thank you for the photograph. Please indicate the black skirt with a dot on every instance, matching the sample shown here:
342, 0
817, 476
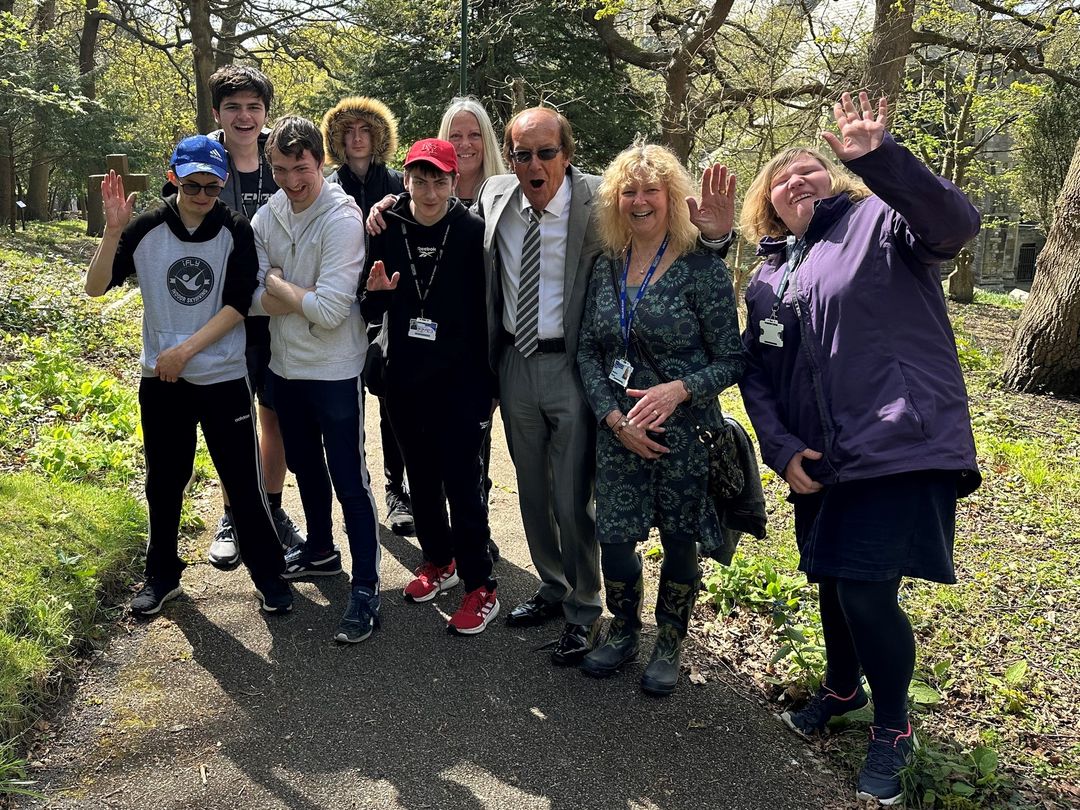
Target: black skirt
878, 529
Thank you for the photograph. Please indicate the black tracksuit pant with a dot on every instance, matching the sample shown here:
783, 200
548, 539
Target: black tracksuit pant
170, 413
440, 438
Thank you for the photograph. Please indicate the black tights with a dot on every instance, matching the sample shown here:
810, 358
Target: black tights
863, 624
621, 562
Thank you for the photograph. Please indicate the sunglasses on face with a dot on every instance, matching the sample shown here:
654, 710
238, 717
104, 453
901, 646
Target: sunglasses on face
526, 155
210, 189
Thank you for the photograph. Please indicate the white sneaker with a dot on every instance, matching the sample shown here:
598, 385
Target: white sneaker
223, 552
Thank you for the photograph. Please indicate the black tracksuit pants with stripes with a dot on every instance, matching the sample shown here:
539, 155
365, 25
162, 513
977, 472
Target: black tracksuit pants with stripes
170, 413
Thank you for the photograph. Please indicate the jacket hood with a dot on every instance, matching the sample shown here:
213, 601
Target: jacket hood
384, 137
400, 210
826, 212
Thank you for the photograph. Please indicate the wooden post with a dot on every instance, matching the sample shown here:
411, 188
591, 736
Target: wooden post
95, 214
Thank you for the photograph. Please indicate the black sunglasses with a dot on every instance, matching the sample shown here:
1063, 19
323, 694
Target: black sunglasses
210, 189
525, 155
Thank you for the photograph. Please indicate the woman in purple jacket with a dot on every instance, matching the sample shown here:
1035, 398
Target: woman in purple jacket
856, 394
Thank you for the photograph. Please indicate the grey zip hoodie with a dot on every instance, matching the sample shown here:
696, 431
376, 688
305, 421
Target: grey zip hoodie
320, 248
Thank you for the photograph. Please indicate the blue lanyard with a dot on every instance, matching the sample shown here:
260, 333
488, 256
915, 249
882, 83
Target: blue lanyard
626, 319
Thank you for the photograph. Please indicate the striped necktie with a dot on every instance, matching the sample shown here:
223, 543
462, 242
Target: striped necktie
528, 304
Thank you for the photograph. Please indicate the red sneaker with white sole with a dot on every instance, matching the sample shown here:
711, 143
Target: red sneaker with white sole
477, 610
430, 581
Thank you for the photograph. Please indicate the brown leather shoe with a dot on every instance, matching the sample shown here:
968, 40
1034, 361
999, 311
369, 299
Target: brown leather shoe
534, 610
574, 643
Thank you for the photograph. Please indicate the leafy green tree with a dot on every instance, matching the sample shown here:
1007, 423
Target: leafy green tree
521, 54
1044, 140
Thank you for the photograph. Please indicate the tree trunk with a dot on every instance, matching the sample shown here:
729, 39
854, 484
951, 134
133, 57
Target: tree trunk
37, 192
890, 44
202, 47
1044, 355
7, 180
87, 46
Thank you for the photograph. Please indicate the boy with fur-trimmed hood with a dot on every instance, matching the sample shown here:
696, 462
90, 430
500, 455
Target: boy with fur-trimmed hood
360, 136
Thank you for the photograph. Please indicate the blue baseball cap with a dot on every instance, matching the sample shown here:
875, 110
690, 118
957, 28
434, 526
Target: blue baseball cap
200, 154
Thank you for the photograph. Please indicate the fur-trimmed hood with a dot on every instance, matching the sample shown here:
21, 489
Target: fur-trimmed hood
384, 138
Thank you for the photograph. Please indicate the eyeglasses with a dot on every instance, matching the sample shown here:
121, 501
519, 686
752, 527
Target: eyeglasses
525, 155
210, 189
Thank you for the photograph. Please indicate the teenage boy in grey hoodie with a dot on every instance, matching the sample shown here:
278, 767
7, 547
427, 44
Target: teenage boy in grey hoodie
196, 266
310, 241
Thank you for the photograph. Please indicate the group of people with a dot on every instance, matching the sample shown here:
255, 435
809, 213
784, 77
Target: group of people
598, 316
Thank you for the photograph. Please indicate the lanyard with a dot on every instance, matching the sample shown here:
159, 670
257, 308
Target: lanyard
796, 252
412, 265
240, 190
626, 318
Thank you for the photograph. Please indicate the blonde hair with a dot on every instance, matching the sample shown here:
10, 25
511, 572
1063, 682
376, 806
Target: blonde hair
758, 217
493, 162
649, 163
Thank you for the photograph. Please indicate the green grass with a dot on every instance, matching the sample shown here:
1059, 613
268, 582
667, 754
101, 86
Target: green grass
996, 300
998, 663
68, 551
71, 526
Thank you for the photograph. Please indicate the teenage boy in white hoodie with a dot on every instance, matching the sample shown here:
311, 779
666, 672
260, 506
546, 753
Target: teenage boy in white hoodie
310, 241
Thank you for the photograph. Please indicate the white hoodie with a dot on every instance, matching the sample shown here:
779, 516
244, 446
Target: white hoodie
321, 247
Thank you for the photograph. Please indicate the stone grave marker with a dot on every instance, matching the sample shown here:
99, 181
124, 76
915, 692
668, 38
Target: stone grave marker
95, 213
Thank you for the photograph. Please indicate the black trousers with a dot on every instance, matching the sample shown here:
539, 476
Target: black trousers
393, 464
170, 413
440, 437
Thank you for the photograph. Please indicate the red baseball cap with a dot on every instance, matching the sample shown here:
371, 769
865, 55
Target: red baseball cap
440, 154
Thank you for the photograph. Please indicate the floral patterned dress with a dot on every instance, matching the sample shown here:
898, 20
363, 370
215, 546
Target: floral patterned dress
688, 321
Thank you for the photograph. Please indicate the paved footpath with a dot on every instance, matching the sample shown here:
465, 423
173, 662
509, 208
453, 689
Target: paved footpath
214, 706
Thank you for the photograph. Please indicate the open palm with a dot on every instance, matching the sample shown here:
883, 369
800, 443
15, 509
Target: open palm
117, 207
862, 129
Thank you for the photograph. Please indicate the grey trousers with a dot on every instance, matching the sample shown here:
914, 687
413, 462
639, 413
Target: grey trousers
551, 434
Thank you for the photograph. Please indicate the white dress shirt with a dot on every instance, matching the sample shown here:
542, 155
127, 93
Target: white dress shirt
510, 234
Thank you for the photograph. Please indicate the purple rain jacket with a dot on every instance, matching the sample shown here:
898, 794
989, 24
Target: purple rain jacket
868, 373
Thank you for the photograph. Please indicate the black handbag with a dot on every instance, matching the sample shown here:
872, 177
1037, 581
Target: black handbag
726, 477
376, 360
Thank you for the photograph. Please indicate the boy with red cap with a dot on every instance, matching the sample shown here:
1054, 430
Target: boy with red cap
428, 274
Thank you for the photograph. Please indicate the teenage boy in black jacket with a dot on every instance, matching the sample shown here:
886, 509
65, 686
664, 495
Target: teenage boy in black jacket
428, 274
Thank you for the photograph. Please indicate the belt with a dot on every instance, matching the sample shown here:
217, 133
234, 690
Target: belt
543, 346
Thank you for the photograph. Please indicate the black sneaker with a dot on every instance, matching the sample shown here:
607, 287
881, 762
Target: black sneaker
814, 717
887, 755
289, 533
223, 552
302, 561
153, 595
399, 514
361, 617
275, 596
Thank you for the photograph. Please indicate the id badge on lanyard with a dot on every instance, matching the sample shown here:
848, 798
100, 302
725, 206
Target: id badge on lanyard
772, 331
621, 368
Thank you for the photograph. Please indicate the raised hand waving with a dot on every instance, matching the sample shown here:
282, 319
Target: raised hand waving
862, 129
117, 207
